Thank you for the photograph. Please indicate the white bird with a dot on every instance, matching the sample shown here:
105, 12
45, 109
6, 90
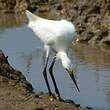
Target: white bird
56, 36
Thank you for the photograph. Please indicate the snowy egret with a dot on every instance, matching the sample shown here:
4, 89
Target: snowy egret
57, 37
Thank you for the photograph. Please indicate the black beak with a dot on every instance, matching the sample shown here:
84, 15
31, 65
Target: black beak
73, 78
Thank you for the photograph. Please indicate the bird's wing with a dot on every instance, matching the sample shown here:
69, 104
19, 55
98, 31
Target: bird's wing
44, 33
50, 41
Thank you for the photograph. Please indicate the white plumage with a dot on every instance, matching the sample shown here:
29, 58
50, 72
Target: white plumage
56, 35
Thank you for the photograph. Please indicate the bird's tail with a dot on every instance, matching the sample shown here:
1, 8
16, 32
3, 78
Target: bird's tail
31, 16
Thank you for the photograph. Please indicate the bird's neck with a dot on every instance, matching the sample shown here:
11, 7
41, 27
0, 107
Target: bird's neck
62, 55
64, 59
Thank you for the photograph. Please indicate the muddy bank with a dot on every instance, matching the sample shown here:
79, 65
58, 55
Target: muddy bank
17, 94
18, 6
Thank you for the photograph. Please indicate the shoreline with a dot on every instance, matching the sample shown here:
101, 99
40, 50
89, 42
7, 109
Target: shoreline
17, 93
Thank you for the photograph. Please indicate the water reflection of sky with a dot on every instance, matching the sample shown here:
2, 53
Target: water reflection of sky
92, 67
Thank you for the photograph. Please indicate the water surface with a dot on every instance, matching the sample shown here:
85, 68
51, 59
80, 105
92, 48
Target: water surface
92, 65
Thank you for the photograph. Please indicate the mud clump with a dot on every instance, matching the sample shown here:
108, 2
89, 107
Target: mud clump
16, 93
10, 76
92, 21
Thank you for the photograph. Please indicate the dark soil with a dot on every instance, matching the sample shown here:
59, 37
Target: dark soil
16, 93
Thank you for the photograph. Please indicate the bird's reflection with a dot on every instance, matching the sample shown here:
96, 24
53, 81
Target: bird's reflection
27, 58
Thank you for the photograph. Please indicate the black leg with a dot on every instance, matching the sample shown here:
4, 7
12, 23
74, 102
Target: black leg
45, 77
53, 79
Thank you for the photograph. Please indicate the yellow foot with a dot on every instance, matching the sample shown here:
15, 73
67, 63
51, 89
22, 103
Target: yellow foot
51, 98
57, 96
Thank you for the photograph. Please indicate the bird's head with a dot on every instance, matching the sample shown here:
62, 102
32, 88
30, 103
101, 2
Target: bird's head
68, 66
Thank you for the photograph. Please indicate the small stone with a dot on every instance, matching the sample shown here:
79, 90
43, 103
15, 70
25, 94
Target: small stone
89, 108
77, 105
12, 83
69, 101
36, 95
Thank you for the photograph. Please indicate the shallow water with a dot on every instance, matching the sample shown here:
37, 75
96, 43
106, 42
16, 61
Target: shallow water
92, 65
